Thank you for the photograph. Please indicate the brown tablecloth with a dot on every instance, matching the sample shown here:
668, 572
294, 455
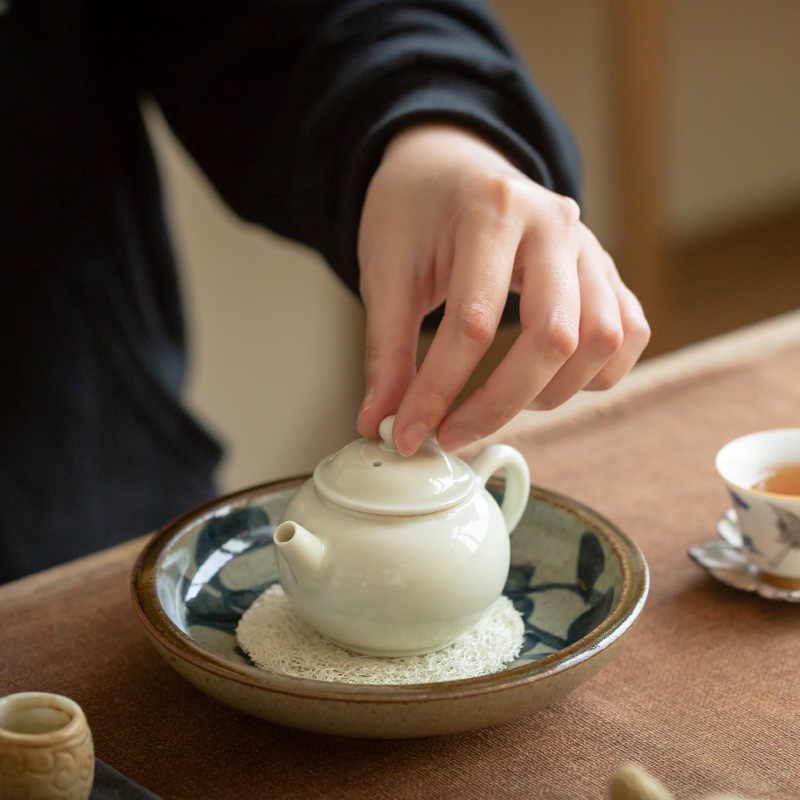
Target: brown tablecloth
704, 695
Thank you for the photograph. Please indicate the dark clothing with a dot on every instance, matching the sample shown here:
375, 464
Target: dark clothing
286, 105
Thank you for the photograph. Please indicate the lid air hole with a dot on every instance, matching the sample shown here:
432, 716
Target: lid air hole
377, 463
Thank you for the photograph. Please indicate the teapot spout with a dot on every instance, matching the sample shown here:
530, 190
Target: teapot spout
303, 551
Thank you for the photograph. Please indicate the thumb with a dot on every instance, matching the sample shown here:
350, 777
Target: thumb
394, 317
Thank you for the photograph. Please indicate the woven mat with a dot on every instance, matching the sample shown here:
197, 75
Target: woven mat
705, 694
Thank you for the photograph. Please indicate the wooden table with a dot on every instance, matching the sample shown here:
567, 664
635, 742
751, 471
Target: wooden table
705, 694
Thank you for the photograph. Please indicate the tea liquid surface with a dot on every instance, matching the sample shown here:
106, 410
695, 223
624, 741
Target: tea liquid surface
782, 479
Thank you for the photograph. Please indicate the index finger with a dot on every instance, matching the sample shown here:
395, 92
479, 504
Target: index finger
483, 260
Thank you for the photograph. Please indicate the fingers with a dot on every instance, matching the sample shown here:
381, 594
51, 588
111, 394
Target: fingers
483, 257
562, 349
550, 311
601, 333
636, 335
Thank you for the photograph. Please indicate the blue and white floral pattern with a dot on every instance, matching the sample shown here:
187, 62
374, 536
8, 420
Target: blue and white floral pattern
726, 560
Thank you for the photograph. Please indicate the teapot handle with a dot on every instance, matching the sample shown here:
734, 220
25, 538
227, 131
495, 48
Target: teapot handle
518, 479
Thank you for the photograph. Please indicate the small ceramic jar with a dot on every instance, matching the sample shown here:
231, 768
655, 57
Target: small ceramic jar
393, 556
46, 748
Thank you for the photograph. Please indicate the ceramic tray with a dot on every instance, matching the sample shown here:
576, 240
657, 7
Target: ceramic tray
578, 582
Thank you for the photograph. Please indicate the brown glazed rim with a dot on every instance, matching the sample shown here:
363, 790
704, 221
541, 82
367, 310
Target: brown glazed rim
635, 584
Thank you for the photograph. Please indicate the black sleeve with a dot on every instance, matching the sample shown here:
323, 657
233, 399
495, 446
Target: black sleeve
288, 104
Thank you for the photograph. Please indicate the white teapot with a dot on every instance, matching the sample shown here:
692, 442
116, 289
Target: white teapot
394, 556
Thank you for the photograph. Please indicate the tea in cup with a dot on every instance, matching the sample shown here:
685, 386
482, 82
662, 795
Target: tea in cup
762, 474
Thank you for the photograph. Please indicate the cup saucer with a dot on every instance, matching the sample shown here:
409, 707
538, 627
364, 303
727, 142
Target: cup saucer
726, 560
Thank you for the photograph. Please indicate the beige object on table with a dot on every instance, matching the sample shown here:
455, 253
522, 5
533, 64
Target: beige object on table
631, 782
46, 748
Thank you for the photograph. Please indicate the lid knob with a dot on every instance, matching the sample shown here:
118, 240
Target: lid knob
385, 432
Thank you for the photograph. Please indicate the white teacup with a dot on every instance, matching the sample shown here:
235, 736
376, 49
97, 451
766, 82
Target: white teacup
769, 521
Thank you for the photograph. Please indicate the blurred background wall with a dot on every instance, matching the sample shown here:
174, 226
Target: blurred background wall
687, 116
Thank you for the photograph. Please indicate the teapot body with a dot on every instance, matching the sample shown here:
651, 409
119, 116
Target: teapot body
396, 585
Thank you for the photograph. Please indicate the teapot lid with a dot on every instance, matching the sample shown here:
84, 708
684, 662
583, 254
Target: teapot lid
370, 475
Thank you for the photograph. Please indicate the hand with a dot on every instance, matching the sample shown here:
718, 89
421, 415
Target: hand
448, 218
